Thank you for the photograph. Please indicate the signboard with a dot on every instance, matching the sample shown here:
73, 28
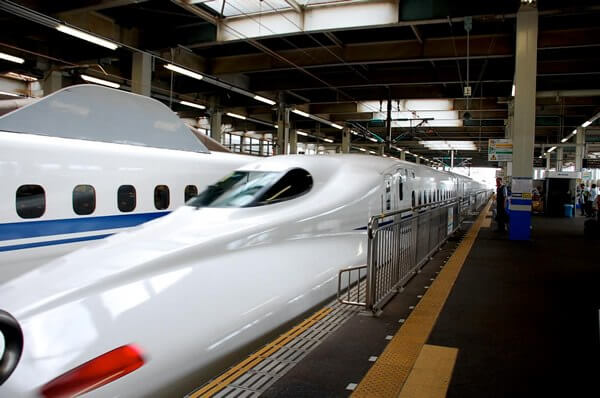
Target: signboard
591, 163
500, 150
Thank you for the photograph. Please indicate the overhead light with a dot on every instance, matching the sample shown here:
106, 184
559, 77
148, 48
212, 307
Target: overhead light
9, 94
184, 71
337, 126
564, 139
586, 123
438, 145
540, 156
362, 149
328, 140
512, 93
11, 58
373, 152
192, 104
100, 81
373, 139
276, 126
19, 76
86, 36
354, 132
235, 115
265, 100
299, 112
302, 133
551, 149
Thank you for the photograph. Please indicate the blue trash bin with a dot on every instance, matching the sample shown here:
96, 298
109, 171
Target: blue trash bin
569, 210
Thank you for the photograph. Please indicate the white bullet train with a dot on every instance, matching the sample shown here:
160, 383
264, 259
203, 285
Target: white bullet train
158, 310
89, 161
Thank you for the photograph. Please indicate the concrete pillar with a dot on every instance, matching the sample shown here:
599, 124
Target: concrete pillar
293, 142
381, 150
216, 115
283, 129
559, 158
451, 159
261, 147
417, 160
53, 82
141, 74
524, 122
403, 155
548, 157
346, 140
580, 149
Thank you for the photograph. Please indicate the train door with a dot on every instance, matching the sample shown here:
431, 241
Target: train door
399, 182
386, 200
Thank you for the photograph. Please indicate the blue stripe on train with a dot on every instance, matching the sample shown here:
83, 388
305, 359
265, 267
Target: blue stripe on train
34, 229
51, 243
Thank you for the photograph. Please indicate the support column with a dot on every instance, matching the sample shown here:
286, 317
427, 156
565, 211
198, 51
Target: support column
346, 140
216, 125
141, 74
548, 157
283, 129
381, 150
403, 155
559, 158
417, 160
523, 130
451, 160
53, 82
580, 149
293, 142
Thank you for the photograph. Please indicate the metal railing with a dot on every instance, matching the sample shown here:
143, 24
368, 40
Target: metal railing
399, 243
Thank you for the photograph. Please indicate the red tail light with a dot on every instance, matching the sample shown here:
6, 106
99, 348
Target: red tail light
96, 373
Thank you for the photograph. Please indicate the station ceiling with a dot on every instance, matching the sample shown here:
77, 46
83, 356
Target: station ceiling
344, 75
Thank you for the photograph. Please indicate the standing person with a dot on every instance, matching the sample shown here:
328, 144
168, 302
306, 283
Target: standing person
580, 198
592, 199
501, 196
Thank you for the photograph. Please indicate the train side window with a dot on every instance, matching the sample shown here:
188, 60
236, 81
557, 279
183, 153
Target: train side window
420, 196
190, 192
126, 198
413, 199
400, 189
84, 199
161, 197
31, 201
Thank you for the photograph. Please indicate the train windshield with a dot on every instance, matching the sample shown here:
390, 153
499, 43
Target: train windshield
254, 188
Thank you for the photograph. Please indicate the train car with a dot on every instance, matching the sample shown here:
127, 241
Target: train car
89, 161
142, 313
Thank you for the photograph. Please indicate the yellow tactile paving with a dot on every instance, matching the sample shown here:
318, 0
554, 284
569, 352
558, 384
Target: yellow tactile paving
431, 374
238, 370
389, 374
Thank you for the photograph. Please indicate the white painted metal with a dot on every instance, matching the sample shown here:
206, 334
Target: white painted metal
199, 285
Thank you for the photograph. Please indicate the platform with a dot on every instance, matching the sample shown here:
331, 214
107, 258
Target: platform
485, 316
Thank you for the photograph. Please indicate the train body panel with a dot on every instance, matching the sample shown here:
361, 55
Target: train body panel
197, 285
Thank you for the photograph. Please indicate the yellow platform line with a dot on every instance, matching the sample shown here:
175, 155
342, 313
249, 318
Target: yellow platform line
265, 352
389, 374
487, 222
431, 375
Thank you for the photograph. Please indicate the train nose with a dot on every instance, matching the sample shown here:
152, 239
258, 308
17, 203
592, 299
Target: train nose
11, 345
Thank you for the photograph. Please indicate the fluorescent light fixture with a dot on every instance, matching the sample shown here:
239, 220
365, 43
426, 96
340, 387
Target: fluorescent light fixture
586, 123
328, 140
373, 139
409, 105
354, 132
299, 112
438, 145
9, 94
11, 58
551, 149
265, 100
564, 139
337, 126
235, 115
87, 37
192, 104
19, 76
362, 149
540, 156
384, 155
100, 81
373, 152
276, 126
302, 133
574, 132
184, 71
512, 93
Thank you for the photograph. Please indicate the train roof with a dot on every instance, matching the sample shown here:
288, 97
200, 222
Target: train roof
97, 113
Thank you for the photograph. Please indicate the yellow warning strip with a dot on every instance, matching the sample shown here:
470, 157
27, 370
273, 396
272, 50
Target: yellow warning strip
431, 375
389, 374
487, 222
238, 370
